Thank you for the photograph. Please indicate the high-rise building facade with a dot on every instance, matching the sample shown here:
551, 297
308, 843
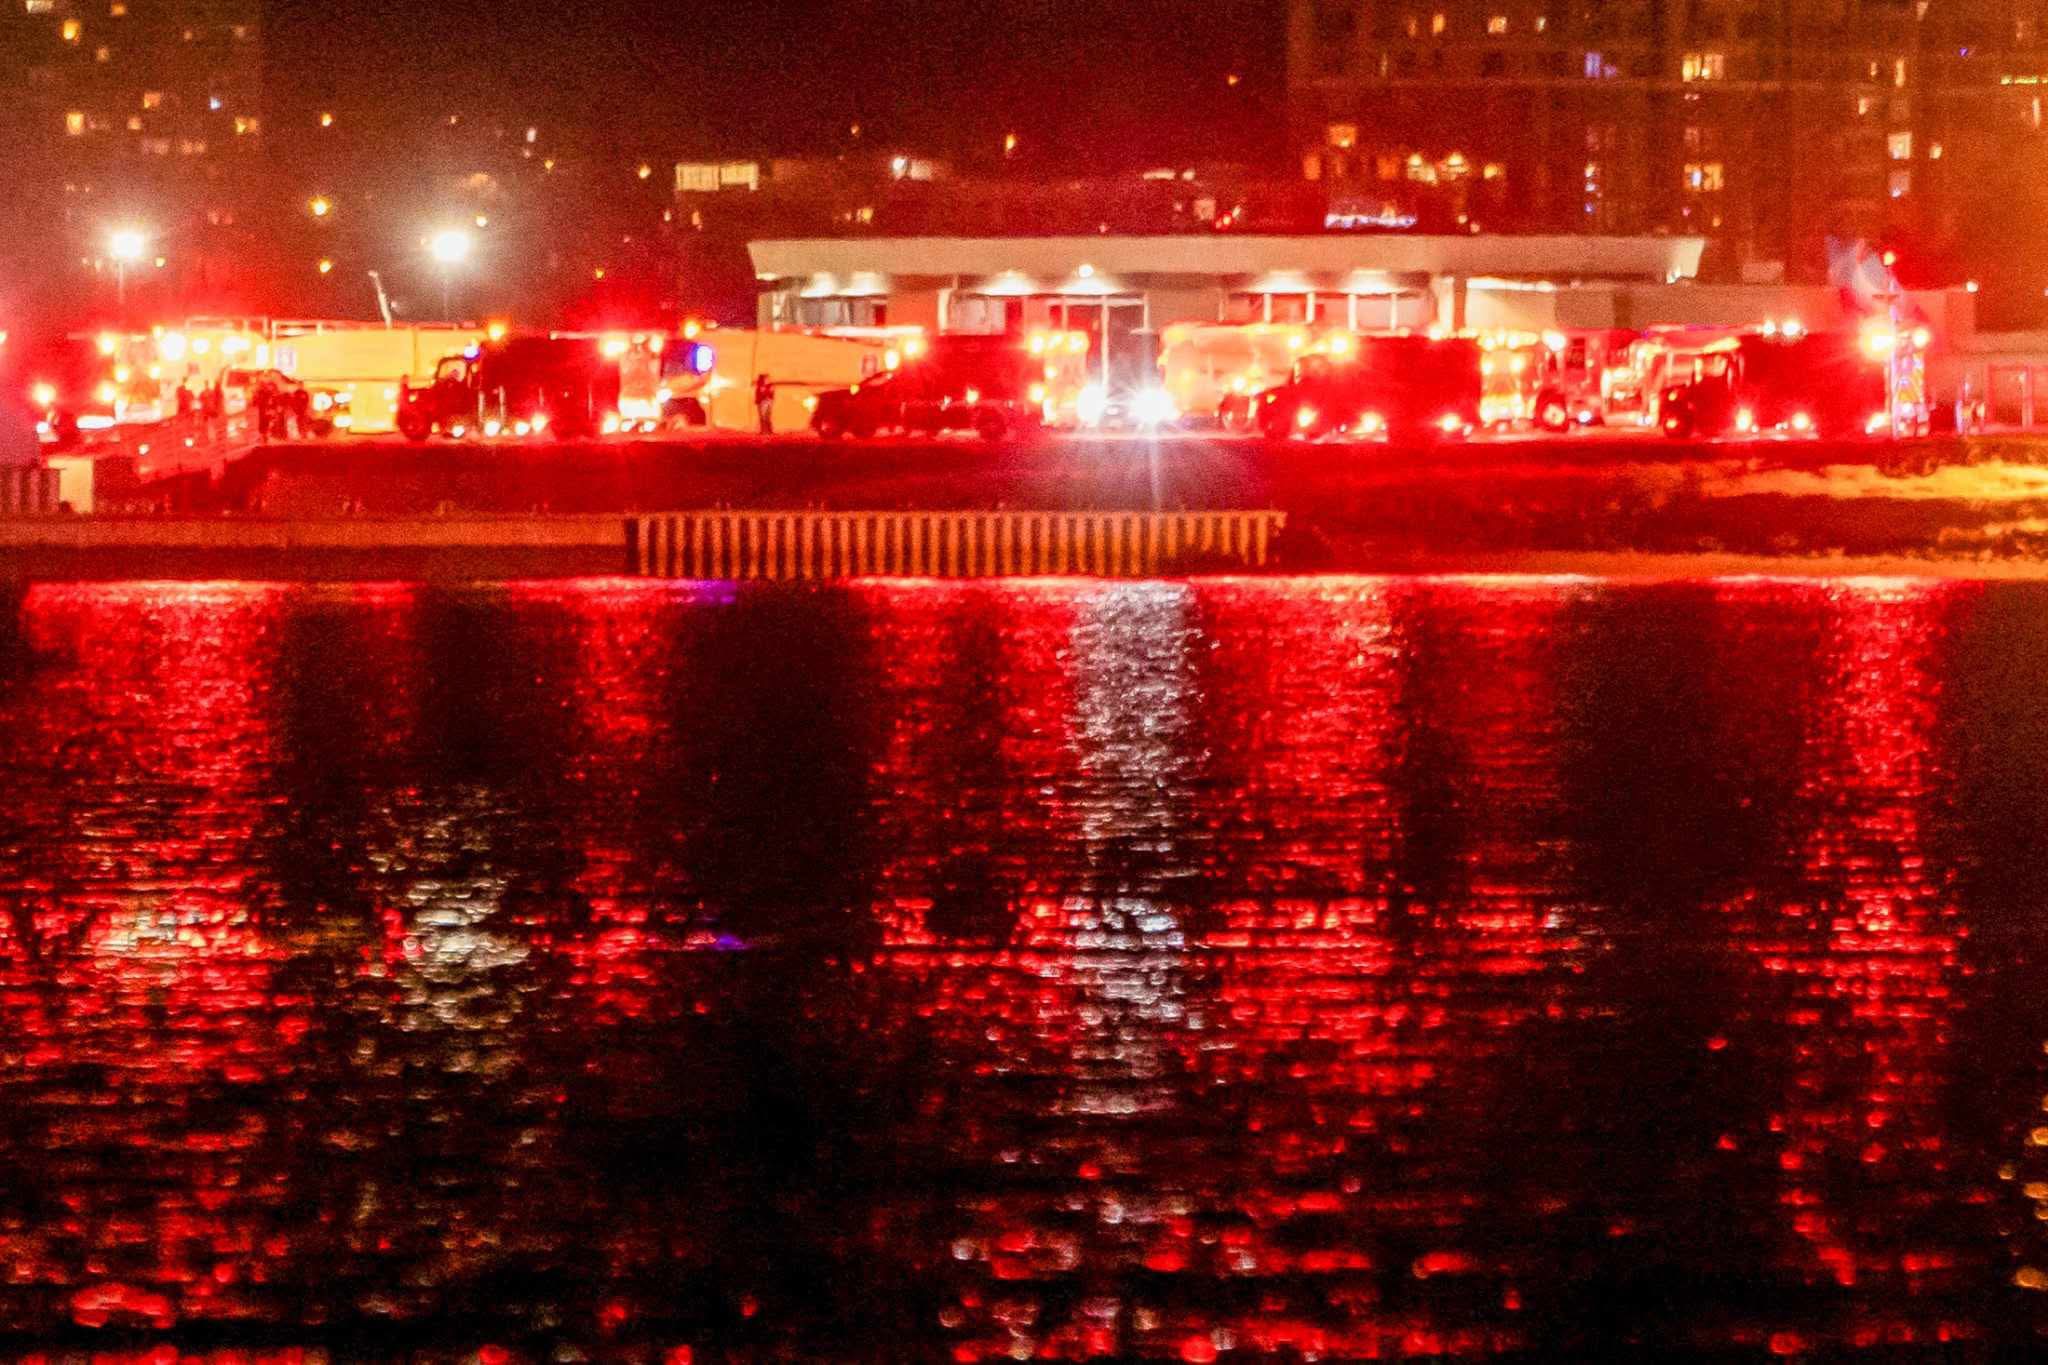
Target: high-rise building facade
138, 113
1765, 125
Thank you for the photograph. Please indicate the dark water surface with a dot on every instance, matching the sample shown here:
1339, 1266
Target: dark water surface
1325, 968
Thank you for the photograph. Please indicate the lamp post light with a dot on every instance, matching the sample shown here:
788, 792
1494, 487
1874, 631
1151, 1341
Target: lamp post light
450, 248
126, 245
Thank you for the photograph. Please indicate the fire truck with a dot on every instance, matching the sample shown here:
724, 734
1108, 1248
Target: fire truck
1558, 380
1824, 384
567, 387
707, 376
991, 385
88, 383
1213, 370
365, 365
1400, 387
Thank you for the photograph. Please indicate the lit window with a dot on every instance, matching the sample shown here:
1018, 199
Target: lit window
152, 99
74, 123
1390, 168
1703, 177
1342, 136
72, 28
190, 147
1497, 24
213, 103
1901, 184
1312, 166
1899, 73
103, 54
244, 125
41, 6
135, 123
1864, 105
1934, 151
1900, 146
1542, 23
1436, 23
156, 146
241, 32
1597, 67
1493, 171
118, 10
1703, 66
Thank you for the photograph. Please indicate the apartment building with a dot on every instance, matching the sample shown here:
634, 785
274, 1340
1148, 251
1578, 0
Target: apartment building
1764, 125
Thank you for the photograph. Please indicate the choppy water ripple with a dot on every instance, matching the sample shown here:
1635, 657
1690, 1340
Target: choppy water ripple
1238, 970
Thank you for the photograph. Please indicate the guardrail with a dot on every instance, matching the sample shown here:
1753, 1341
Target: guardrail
819, 545
28, 490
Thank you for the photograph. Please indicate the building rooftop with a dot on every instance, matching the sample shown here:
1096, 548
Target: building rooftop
1314, 257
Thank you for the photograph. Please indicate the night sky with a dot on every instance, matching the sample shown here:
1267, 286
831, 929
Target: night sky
1083, 81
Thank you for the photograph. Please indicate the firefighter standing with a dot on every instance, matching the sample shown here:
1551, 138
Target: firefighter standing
764, 403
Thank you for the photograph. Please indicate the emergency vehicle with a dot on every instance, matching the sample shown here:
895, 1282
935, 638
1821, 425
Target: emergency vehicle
92, 382
1557, 380
1510, 371
991, 385
659, 381
1399, 387
707, 379
1870, 382
566, 387
1211, 371
365, 364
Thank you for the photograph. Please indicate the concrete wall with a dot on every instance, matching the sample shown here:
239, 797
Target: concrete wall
1171, 304
915, 307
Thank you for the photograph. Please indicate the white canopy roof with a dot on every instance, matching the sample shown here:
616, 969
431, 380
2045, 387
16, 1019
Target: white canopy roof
1558, 258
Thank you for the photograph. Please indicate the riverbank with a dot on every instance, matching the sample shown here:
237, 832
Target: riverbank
1611, 506
184, 555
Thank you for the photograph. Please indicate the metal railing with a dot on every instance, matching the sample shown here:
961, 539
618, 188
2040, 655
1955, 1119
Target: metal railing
824, 545
28, 490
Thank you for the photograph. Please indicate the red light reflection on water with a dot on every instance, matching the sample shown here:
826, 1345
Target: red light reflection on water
1185, 971
1332, 1037
1859, 952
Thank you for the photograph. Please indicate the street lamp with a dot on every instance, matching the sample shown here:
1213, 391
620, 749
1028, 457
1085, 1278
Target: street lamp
126, 245
449, 247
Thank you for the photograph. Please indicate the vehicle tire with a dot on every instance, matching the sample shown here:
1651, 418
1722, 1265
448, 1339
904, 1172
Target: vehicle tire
990, 426
1553, 414
827, 428
413, 425
861, 427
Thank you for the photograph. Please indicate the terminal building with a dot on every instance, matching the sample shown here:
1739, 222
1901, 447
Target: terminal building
1123, 290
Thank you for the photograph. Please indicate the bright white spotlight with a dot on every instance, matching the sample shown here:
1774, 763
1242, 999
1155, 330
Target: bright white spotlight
451, 246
